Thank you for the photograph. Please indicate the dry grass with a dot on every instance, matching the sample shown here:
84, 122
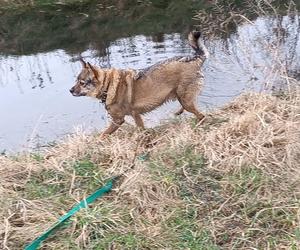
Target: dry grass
232, 182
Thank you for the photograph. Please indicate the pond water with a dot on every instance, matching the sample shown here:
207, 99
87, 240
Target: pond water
37, 108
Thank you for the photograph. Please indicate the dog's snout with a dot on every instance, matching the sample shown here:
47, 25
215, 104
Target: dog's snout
72, 90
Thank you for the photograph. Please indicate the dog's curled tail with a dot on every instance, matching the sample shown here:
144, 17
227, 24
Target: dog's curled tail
197, 45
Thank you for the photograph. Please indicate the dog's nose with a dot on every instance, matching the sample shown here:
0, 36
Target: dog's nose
72, 90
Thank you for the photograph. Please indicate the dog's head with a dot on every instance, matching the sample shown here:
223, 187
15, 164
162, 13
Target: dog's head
87, 83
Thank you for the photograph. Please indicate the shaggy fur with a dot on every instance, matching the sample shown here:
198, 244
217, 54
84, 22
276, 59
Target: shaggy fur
131, 92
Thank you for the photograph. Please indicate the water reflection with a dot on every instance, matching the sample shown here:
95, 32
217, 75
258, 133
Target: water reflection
36, 106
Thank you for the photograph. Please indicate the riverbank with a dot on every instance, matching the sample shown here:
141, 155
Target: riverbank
232, 182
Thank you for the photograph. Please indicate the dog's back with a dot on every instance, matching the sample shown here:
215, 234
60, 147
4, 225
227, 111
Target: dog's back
171, 79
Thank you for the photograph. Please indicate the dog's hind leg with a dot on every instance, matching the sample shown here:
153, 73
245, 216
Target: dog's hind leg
188, 102
191, 107
114, 125
138, 120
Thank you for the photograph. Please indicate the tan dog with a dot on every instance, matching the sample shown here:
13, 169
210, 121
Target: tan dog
131, 92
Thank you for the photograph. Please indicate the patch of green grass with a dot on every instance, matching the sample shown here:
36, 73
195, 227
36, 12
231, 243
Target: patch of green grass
249, 179
195, 179
105, 230
268, 219
280, 218
297, 234
160, 172
189, 158
84, 168
186, 233
98, 218
186, 157
88, 175
187, 169
126, 241
274, 241
197, 240
45, 184
38, 157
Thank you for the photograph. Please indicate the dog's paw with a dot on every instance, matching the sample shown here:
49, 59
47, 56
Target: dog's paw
103, 136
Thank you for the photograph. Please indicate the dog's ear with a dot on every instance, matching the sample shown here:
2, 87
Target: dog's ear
84, 64
92, 68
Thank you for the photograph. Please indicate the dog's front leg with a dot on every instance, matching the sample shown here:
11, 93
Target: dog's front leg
138, 120
114, 125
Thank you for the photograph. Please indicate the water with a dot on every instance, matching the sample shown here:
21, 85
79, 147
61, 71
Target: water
37, 108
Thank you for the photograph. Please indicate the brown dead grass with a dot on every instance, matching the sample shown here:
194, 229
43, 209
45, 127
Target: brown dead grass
232, 182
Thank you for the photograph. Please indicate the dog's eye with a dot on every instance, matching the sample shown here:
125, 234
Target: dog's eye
86, 82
